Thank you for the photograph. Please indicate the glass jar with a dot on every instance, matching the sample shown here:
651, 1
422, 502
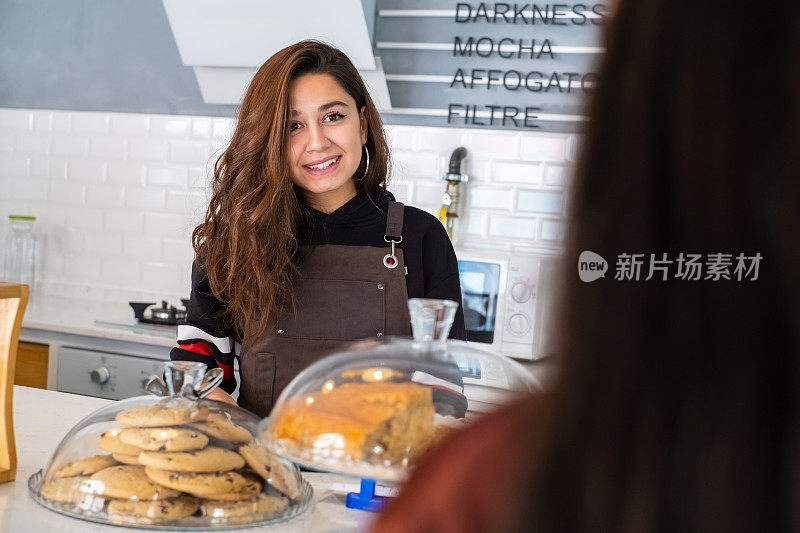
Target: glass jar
20, 255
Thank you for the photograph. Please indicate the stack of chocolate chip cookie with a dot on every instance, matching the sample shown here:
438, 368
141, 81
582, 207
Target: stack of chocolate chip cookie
169, 462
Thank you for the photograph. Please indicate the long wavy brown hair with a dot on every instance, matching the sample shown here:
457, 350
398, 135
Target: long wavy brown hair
249, 238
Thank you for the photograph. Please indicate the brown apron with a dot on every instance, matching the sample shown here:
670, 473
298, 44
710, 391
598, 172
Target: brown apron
342, 293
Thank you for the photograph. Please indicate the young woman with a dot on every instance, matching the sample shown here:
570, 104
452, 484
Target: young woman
676, 408
302, 248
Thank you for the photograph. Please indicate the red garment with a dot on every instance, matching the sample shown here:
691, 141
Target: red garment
464, 485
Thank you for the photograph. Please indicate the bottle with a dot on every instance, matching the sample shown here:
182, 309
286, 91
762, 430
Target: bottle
20, 257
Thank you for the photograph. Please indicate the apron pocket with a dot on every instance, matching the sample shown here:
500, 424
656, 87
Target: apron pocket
335, 309
256, 393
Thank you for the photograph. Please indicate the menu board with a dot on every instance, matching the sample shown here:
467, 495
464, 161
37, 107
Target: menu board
499, 65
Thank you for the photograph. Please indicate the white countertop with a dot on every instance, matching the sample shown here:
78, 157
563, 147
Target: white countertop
42, 418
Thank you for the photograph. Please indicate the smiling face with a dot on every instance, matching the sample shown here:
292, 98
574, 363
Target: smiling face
326, 133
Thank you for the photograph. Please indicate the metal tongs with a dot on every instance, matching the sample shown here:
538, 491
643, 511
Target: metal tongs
185, 378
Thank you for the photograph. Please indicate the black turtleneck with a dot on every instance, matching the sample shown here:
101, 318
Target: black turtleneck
427, 251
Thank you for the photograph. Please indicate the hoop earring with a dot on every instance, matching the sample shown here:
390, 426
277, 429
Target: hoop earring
364, 175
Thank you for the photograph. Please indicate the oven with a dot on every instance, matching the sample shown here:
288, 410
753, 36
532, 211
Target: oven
507, 302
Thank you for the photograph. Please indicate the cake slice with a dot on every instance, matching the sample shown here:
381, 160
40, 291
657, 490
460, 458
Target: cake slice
384, 423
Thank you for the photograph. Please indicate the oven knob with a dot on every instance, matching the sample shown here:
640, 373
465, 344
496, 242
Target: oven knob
521, 292
518, 323
99, 375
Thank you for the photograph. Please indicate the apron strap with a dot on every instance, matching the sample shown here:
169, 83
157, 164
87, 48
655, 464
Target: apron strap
394, 221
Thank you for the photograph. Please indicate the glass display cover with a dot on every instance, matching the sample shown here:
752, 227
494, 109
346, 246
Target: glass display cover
177, 461
375, 408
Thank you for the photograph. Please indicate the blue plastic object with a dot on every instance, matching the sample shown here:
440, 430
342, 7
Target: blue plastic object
366, 499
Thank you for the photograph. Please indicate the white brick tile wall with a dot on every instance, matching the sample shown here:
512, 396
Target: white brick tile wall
151, 198
58, 167
30, 190
103, 243
6, 142
167, 176
410, 165
155, 150
201, 128
87, 218
164, 276
67, 192
402, 138
90, 122
83, 268
53, 215
192, 204
104, 195
14, 164
15, 119
51, 266
138, 246
512, 227
428, 193
222, 128
164, 225
124, 222
555, 175
39, 166
121, 272
552, 230
43, 121
178, 251
117, 195
513, 172
61, 121
195, 153
166, 126
32, 143
107, 147
476, 223
495, 143
130, 125
545, 148
6, 185
478, 169
126, 172
486, 198
67, 240
401, 190
442, 140
542, 202
65, 144
200, 178
86, 169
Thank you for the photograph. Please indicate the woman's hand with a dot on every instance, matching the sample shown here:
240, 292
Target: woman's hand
221, 396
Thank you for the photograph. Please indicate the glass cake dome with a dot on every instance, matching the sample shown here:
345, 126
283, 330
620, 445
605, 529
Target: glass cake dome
173, 460
374, 408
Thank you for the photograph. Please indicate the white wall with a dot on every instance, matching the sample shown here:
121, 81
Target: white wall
117, 195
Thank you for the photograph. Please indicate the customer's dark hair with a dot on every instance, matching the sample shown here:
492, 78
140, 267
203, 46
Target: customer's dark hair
677, 405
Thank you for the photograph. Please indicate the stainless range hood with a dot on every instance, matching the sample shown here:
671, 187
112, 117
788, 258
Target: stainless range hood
225, 41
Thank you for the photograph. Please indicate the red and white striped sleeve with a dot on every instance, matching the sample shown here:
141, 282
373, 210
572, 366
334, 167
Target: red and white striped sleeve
204, 336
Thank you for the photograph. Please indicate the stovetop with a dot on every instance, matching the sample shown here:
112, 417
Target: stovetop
157, 330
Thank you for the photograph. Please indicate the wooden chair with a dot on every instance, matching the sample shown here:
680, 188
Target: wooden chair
13, 300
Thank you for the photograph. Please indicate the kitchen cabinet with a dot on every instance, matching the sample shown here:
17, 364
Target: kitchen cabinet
32, 364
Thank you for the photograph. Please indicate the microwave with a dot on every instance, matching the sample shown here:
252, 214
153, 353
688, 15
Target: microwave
508, 302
